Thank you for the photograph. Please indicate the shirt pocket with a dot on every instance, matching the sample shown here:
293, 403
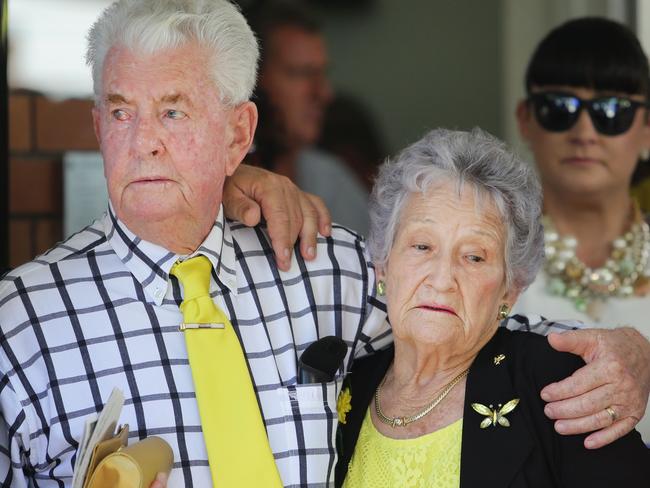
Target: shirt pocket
310, 427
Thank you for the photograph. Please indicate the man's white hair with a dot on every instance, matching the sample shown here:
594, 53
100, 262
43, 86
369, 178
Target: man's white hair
149, 26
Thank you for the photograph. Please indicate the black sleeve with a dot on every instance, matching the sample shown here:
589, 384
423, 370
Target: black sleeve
623, 463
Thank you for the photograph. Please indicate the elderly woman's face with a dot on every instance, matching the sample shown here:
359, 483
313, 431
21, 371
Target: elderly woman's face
445, 276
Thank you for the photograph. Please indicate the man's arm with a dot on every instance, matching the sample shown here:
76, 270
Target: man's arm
252, 193
617, 375
622, 464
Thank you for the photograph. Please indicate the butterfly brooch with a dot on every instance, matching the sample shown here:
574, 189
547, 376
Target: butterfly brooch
497, 415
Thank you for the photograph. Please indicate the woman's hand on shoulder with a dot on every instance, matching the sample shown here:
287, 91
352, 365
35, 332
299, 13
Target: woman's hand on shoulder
609, 394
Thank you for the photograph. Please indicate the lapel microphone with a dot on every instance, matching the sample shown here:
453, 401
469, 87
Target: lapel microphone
321, 360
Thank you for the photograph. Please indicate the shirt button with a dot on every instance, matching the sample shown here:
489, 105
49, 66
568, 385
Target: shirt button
158, 293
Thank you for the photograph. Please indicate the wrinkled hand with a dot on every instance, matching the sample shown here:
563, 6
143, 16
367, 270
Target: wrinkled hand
617, 375
252, 192
160, 481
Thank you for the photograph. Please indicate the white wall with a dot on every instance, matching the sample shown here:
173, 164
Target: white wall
47, 41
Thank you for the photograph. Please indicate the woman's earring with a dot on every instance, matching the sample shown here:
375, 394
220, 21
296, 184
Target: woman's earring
504, 310
381, 288
644, 154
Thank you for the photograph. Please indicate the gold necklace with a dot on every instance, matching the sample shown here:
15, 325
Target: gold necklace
624, 274
404, 421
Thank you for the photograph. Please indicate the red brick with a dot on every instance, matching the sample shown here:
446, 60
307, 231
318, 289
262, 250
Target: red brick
64, 126
35, 186
19, 123
48, 233
20, 242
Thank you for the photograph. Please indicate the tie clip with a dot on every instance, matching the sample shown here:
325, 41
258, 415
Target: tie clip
202, 326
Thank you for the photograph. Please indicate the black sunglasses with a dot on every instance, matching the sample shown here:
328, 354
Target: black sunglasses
557, 112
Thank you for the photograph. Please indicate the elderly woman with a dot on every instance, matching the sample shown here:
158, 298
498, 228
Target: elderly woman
455, 237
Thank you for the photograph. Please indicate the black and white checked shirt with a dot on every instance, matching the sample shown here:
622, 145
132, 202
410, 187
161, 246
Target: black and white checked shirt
101, 311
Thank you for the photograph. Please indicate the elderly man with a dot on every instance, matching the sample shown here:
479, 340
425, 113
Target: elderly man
184, 310
172, 81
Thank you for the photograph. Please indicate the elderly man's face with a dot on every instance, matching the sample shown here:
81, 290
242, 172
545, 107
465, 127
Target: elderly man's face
167, 141
445, 276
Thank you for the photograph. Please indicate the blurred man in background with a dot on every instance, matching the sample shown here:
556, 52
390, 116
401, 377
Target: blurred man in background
293, 94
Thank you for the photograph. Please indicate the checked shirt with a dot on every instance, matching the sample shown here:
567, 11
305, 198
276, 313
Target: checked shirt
101, 311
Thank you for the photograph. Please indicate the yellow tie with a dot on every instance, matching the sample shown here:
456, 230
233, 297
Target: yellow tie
238, 448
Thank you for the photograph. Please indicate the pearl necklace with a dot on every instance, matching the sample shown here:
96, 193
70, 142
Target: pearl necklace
625, 273
404, 421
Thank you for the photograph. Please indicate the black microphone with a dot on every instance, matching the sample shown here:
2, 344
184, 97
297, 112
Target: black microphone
321, 360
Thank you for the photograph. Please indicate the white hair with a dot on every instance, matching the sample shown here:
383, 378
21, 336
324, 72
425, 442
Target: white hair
482, 161
150, 26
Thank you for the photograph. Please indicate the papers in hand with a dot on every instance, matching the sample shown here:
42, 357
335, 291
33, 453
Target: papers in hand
98, 428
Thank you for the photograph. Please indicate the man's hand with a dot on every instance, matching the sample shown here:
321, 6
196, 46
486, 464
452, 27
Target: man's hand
251, 193
617, 375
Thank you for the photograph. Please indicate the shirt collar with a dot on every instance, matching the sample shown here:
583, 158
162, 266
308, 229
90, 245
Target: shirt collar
150, 263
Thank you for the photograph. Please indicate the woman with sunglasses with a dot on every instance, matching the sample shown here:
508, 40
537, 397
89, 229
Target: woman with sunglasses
586, 121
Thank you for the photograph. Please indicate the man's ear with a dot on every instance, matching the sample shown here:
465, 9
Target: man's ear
243, 121
524, 116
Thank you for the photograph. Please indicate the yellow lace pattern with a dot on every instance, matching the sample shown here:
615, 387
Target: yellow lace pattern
431, 461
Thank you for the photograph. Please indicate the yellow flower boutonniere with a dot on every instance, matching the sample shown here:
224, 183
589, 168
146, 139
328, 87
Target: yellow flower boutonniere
344, 404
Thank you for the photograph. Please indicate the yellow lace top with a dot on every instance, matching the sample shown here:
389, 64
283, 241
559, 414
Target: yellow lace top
431, 461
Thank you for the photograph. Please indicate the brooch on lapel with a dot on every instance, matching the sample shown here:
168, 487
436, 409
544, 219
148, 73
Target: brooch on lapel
344, 404
497, 415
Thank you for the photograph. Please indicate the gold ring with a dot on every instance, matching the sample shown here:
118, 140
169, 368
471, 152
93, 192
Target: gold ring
611, 413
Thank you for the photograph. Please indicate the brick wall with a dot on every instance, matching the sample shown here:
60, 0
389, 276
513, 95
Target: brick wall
40, 132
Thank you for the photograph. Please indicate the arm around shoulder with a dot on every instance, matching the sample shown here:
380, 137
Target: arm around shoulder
617, 375
624, 462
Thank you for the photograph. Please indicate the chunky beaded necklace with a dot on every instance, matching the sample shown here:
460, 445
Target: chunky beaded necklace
625, 273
